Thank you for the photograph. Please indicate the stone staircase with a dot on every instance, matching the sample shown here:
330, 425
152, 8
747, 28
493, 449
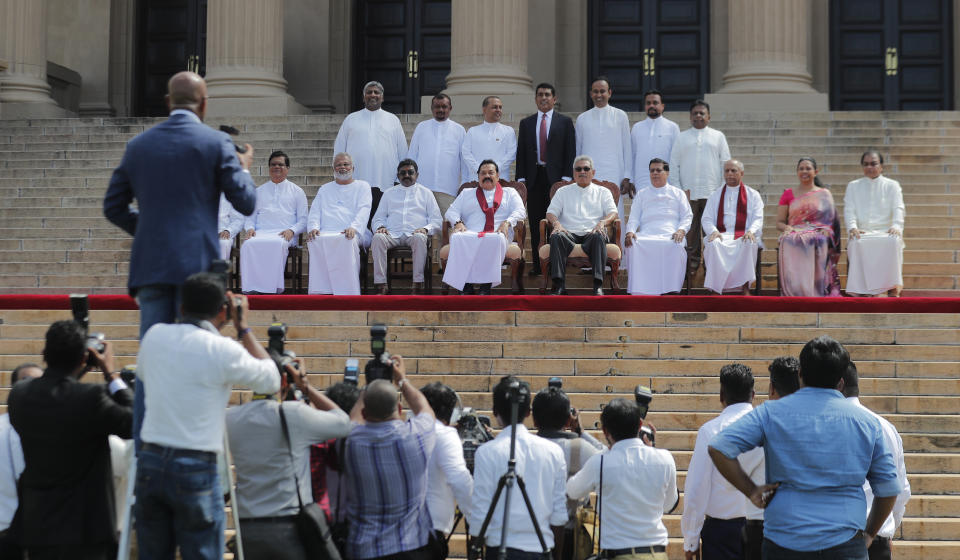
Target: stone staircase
53, 174
909, 363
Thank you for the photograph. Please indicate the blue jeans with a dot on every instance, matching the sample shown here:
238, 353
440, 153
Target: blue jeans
178, 504
854, 549
159, 303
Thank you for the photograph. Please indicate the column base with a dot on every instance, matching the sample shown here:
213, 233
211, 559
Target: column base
520, 104
16, 111
255, 106
767, 102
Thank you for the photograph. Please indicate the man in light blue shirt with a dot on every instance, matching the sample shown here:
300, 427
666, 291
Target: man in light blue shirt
819, 449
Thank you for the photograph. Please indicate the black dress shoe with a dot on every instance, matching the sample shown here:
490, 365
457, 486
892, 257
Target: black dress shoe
484, 289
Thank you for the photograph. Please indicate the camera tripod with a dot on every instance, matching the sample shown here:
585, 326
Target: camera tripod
514, 394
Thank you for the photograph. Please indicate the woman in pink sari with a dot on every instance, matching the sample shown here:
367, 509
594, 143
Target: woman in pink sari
810, 238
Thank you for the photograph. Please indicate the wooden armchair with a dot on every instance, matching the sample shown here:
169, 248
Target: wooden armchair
519, 237
578, 258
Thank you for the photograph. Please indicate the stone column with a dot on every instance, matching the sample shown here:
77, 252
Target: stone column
768, 61
24, 91
245, 59
488, 55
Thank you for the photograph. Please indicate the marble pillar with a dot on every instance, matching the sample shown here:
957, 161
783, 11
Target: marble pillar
24, 91
245, 59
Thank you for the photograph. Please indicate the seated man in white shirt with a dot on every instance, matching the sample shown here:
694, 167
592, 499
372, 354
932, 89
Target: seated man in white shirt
730, 257
229, 224
656, 235
280, 216
483, 220
874, 213
337, 222
408, 215
639, 487
580, 214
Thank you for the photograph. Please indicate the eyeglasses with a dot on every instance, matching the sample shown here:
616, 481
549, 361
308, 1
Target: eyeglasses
871, 164
407, 172
581, 169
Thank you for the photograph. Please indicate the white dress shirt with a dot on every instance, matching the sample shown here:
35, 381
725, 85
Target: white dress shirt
404, 209
580, 209
188, 373
488, 141
639, 486
447, 479
11, 466
228, 218
754, 211
376, 142
337, 207
466, 209
895, 443
873, 205
435, 146
651, 138
697, 159
706, 492
604, 135
280, 206
660, 211
540, 463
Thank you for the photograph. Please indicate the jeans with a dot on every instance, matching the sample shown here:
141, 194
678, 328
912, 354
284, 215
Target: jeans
159, 303
854, 549
178, 503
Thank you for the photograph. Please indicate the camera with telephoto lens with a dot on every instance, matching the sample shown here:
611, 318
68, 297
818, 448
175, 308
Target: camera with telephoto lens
380, 367
472, 429
277, 337
644, 396
80, 307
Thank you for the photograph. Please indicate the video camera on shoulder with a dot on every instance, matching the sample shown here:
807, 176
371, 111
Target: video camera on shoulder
473, 431
644, 396
380, 367
80, 307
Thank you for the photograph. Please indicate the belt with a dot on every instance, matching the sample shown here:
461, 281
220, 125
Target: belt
272, 519
755, 523
612, 552
731, 520
177, 452
880, 539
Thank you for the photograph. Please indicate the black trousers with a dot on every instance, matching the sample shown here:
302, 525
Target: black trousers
695, 235
73, 552
720, 539
753, 539
561, 245
377, 194
538, 200
879, 549
9, 547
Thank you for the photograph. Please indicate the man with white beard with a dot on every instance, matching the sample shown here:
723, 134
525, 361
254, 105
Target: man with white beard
280, 216
229, 224
730, 257
651, 138
656, 235
489, 140
337, 224
435, 146
874, 213
375, 139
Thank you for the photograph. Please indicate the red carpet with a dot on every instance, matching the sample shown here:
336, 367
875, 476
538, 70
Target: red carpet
702, 304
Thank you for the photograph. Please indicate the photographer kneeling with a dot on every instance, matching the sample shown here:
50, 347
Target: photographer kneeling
271, 466
188, 370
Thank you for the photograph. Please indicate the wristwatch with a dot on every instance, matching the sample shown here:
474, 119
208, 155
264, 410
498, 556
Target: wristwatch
401, 383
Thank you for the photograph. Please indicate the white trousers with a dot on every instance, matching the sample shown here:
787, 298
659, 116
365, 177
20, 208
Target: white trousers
730, 263
657, 265
475, 259
262, 260
384, 241
225, 246
334, 265
875, 263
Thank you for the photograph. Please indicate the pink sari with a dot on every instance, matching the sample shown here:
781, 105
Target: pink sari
809, 254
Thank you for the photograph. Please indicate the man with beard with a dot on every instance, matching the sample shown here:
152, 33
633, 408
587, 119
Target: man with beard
337, 222
408, 216
375, 137
489, 140
435, 147
651, 138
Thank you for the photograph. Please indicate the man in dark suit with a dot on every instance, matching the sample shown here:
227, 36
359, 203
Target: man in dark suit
176, 172
550, 132
66, 490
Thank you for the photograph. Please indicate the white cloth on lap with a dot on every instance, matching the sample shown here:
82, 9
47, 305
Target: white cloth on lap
730, 263
334, 265
657, 265
875, 263
225, 246
262, 260
475, 259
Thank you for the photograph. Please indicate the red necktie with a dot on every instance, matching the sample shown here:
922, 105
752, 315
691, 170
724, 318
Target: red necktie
543, 138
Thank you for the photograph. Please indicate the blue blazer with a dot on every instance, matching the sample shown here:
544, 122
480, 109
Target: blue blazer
176, 172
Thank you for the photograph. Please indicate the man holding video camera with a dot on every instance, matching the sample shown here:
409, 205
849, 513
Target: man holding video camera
188, 370
66, 488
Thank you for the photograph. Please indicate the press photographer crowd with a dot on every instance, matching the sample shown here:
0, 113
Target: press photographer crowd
352, 472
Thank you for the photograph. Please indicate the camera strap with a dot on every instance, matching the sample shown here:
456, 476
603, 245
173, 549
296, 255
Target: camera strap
293, 465
597, 529
200, 324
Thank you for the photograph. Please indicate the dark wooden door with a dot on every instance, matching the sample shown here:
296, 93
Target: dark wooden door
891, 55
650, 44
171, 36
405, 45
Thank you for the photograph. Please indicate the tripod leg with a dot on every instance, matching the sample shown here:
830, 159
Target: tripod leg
493, 506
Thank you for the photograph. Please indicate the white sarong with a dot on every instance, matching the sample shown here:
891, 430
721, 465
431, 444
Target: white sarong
730, 263
262, 260
657, 265
334, 264
475, 259
225, 246
875, 263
